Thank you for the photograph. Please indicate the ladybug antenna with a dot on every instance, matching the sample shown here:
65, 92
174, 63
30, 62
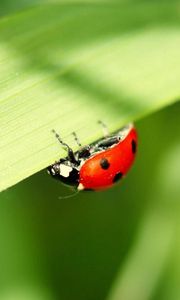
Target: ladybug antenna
69, 150
69, 196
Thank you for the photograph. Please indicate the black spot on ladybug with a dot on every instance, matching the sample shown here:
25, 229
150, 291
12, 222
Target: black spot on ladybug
104, 163
133, 144
117, 177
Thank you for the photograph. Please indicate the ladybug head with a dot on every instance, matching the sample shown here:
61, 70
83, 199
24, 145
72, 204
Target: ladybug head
65, 173
53, 170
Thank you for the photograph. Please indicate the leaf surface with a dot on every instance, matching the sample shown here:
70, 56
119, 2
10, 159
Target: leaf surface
65, 66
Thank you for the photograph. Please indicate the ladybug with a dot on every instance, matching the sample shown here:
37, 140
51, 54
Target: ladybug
98, 165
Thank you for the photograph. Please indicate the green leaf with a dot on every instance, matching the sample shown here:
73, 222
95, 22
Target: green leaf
64, 66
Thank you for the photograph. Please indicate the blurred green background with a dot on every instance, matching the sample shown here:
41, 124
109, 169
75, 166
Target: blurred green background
118, 244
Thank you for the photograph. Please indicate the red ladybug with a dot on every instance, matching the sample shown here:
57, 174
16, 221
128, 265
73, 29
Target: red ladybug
98, 165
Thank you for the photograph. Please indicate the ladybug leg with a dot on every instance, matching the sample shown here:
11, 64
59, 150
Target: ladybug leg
70, 152
76, 139
104, 128
84, 152
108, 142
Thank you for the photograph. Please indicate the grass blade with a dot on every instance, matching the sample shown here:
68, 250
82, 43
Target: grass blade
65, 66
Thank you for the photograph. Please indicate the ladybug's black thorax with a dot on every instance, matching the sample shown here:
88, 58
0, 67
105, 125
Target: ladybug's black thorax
65, 172
72, 179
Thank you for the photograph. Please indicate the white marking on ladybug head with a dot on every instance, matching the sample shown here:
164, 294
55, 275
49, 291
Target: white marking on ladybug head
64, 170
80, 187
